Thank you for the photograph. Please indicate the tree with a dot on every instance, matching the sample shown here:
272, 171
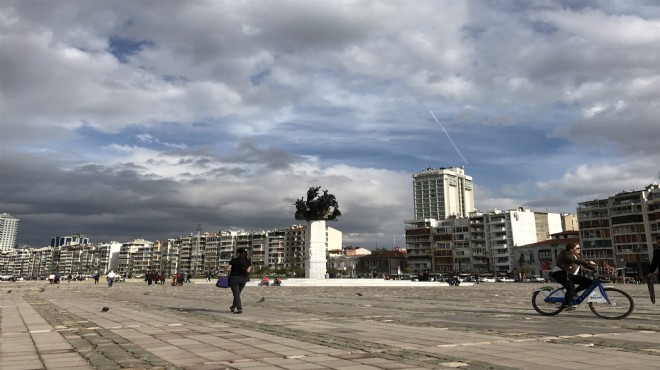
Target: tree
379, 251
324, 207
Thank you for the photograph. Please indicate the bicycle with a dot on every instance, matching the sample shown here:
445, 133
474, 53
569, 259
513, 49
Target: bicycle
604, 301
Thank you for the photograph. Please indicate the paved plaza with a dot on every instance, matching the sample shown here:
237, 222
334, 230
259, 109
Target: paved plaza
300, 325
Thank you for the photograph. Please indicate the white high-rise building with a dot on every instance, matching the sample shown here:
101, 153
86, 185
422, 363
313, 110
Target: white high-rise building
8, 232
441, 193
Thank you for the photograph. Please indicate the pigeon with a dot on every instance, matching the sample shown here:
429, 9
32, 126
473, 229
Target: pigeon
146, 293
263, 299
360, 294
42, 289
9, 291
105, 309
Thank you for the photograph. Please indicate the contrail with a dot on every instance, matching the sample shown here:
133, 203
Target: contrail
446, 133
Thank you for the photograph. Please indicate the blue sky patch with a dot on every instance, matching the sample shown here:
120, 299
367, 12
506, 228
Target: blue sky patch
259, 78
122, 48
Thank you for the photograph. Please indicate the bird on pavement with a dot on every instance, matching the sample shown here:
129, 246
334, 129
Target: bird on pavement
105, 309
263, 299
146, 293
42, 289
360, 294
9, 291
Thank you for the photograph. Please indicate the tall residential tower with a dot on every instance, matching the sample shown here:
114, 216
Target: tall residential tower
8, 232
441, 193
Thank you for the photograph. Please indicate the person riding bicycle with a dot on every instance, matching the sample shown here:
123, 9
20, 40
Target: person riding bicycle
566, 270
655, 262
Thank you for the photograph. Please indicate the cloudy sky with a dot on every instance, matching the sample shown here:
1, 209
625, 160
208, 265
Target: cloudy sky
142, 119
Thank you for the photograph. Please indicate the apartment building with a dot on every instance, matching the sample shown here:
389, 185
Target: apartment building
195, 254
8, 232
77, 260
257, 243
219, 250
40, 262
14, 261
276, 251
569, 221
294, 246
621, 229
420, 245
60, 241
135, 258
441, 193
653, 213
106, 257
481, 242
451, 245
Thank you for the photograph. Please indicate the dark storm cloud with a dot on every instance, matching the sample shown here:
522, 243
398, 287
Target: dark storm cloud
92, 199
272, 158
120, 203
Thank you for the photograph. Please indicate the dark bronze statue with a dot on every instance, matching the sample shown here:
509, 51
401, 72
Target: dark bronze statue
323, 207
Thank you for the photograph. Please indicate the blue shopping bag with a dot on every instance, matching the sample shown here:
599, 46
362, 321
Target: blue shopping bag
223, 282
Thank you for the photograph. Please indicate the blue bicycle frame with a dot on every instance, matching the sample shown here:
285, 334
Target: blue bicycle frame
591, 294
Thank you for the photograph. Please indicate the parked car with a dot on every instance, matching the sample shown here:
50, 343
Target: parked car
488, 280
504, 280
535, 279
6, 277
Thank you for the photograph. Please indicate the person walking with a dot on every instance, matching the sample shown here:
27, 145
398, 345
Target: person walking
239, 269
655, 261
565, 273
96, 278
111, 278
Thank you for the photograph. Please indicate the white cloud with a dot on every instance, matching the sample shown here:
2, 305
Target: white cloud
233, 102
587, 181
595, 26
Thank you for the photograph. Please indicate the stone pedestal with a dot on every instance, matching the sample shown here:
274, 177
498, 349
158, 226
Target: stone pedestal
315, 260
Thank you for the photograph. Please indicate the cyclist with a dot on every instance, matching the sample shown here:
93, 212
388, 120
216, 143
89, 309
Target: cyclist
655, 262
566, 273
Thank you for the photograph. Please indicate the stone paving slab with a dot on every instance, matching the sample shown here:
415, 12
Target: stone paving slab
28, 342
487, 326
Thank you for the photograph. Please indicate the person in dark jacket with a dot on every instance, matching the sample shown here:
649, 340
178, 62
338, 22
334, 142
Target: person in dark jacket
655, 262
239, 269
566, 272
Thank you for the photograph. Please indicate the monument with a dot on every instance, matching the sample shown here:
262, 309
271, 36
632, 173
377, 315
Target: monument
316, 210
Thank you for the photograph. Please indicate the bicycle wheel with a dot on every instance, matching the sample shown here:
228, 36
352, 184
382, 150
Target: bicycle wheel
543, 307
622, 305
